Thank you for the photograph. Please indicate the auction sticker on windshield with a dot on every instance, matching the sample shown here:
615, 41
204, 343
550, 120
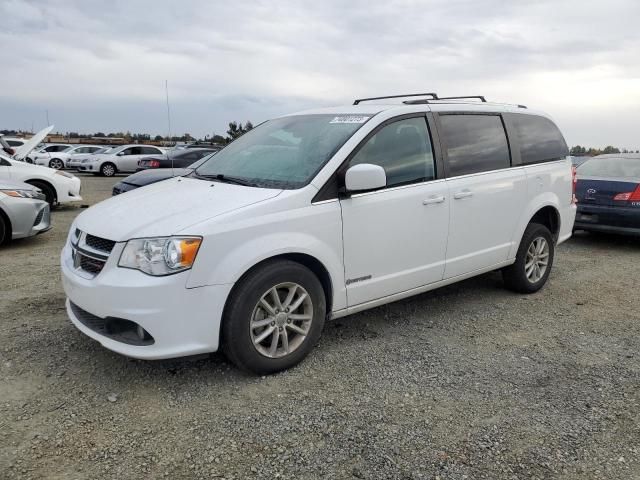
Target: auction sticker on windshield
349, 119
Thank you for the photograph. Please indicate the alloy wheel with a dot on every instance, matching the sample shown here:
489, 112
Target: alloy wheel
56, 164
281, 320
537, 259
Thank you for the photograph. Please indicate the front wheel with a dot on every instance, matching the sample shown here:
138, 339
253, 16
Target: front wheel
533, 262
4, 231
48, 191
274, 317
108, 169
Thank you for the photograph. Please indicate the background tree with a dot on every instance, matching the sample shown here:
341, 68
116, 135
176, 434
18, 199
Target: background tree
236, 129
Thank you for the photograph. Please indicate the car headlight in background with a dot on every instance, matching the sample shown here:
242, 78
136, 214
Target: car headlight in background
64, 174
21, 193
160, 256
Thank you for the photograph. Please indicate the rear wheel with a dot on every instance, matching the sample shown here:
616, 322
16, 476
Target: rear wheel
56, 164
48, 191
108, 169
533, 262
274, 317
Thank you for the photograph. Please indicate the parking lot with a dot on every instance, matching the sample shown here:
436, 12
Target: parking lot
469, 381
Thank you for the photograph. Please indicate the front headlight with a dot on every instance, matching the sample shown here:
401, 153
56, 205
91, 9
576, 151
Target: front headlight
21, 193
64, 174
160, 256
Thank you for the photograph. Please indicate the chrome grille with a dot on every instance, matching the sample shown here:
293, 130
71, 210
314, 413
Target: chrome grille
101, 244
90, 253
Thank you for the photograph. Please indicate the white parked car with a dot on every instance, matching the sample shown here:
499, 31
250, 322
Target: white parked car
118, 160
58, 156
76, 160
319, 215
58, 187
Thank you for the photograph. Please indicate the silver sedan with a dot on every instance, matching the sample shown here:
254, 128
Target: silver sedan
23, 211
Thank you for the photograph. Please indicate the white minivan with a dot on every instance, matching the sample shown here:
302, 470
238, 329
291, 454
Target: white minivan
318, 215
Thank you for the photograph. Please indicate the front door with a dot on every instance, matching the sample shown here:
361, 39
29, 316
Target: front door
395, 238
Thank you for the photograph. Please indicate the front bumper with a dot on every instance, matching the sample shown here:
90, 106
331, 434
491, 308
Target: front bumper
28, 216
69, 190
182, 321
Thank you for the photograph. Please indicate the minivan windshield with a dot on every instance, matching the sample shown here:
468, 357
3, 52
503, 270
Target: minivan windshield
283, 153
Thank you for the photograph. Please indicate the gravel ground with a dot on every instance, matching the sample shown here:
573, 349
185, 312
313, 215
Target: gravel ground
469, 381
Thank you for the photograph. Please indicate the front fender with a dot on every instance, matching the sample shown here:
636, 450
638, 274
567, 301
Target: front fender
226, 256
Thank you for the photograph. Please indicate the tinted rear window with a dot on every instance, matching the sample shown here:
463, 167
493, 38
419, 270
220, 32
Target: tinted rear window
474, 143
611, 167
540, 140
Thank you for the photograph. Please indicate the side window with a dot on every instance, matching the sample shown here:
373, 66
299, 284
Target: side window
80, 150
539, 139
52, 148
149, 151
129, 151
474, 143
92, 149
15, 143
403, 149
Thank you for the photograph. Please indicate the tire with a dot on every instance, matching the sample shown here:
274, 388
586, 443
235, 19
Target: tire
56, 164
241, 328
29, 160
48, 190
536, 247
108, 169
4, 230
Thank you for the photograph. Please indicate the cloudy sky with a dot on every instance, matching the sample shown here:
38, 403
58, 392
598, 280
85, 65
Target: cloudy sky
101, 66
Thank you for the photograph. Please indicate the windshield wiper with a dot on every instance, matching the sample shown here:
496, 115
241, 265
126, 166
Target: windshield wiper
219, 177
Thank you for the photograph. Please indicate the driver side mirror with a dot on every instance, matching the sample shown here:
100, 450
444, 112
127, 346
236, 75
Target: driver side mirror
120, 154
365, 176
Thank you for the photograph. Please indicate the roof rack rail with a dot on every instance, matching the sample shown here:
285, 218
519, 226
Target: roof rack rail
434, 96
436, 100
465, 97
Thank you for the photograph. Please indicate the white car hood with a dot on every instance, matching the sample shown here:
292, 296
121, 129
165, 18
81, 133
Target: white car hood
32, 143
166, 208
37, 170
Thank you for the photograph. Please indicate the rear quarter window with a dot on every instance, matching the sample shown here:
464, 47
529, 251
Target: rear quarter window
539, 138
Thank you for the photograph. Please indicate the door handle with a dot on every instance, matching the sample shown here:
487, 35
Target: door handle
463, 194
434, 199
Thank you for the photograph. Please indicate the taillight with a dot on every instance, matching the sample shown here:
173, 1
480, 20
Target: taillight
629, 196
9, 150
574, 184
154, 164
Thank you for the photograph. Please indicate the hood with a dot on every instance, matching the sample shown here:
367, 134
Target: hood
32, 143
167, 208
7, 185
35, 169
146, 177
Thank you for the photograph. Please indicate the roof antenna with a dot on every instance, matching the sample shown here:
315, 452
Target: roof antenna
166, 90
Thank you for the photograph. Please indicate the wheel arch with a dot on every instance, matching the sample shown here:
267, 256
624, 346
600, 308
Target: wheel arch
7, 222
549, 216
309, 261
49, 184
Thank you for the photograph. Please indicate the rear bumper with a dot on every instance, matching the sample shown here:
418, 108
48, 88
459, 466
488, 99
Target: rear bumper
604, 218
